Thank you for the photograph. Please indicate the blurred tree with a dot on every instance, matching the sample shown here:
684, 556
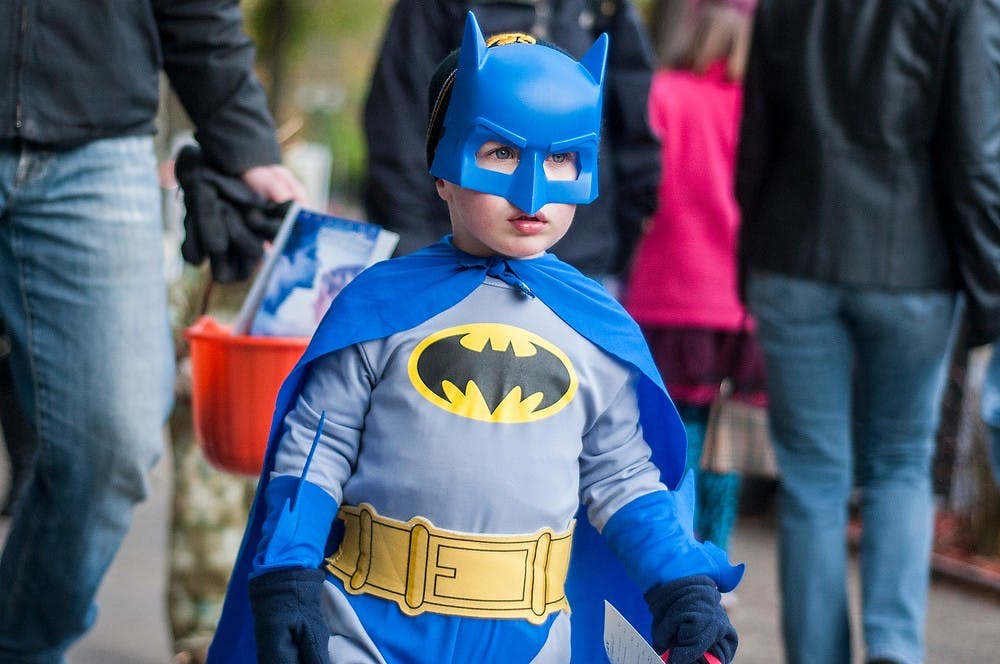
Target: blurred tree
315, 59
279, 27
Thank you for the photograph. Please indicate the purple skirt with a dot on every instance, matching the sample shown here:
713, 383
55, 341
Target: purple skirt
693, 361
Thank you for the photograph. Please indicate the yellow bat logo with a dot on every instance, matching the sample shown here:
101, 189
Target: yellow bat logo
492, 372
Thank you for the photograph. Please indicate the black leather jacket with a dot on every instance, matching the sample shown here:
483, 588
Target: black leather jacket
400, 193
72, 71
870, 144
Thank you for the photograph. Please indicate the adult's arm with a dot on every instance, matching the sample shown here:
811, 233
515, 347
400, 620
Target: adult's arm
209, 58
969, 145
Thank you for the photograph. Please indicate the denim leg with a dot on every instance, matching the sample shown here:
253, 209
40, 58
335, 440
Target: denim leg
82, 291
990, 405
18, 436
904, 344
809, 357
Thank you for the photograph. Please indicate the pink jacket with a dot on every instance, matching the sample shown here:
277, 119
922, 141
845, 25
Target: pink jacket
684, 273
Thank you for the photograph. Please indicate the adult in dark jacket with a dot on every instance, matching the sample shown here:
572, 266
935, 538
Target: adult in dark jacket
869, 181
420, 33
82, 286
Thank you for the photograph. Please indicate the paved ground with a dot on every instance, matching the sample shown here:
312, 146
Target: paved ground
963, 626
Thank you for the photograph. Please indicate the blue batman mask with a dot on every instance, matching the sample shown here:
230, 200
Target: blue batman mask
530, 97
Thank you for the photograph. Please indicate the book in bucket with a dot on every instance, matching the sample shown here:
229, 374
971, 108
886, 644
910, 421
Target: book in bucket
237, 370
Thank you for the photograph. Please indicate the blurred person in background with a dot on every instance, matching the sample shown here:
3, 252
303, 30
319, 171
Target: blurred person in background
869, 183
682, 286
82, 285
399, 193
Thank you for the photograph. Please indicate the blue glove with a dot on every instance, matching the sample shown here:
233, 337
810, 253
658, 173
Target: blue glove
288, 624
688, 621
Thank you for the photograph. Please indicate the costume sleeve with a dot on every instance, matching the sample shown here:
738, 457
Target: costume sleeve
654, 539
969, 145
209, 59
633, 148
315, 455
649, 528
400, 193
338, 388
615, 466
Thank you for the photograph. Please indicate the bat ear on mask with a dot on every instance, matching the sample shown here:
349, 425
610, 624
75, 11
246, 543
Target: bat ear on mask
595, 60
473, 53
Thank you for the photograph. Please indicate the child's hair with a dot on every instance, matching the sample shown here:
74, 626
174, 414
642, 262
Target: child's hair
439, 90
694, 34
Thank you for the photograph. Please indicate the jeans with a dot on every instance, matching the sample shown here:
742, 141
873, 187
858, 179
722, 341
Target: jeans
18, 437
991, 410
855, 380
82, 292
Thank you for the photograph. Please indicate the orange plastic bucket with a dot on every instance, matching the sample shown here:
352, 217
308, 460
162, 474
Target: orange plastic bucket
235, 381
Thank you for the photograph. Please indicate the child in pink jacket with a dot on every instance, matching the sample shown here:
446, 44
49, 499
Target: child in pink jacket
683, 286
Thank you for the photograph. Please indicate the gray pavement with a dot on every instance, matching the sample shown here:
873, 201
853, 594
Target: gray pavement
963, 625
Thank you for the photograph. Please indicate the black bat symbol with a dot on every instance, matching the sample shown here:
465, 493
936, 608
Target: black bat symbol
495, 373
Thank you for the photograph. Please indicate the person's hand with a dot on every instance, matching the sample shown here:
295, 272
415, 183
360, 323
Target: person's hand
226, 220
288, 624
689, 621
275, 183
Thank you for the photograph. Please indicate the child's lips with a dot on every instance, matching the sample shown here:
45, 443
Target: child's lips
528, 224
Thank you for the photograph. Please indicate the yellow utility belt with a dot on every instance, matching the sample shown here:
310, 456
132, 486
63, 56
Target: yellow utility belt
423, 568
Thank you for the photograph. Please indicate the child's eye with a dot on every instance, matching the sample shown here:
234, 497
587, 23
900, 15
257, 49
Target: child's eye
496, 156
561, 166
504, 152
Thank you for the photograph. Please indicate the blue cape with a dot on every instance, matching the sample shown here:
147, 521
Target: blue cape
398, 294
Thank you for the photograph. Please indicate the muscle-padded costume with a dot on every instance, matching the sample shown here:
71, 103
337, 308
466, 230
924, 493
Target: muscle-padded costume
457, 410
411, 293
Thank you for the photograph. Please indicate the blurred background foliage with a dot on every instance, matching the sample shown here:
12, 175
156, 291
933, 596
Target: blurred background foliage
315, 58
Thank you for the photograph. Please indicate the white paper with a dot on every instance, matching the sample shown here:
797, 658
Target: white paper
622, 643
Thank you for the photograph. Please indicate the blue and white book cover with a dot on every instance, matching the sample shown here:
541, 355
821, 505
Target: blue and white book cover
313, 257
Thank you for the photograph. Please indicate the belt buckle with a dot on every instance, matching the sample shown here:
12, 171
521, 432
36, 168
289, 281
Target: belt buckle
454, 572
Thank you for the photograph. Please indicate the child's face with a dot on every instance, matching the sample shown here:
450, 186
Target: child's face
485, 224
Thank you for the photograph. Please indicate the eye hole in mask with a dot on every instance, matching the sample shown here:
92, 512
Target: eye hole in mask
500, 158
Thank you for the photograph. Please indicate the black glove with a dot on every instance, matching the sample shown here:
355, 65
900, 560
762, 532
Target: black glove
225, 221
688, 621
288, 624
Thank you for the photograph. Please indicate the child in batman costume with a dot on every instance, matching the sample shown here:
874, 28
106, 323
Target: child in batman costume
457, 406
